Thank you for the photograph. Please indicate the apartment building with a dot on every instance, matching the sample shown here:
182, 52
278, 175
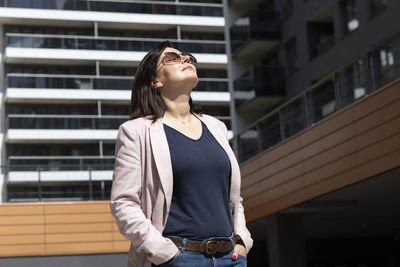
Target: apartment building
66, 76
316, 105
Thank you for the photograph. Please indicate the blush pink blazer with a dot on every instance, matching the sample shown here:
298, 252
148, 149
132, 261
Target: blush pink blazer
142, 189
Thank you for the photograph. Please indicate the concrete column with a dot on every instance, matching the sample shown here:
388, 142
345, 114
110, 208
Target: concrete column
285, 240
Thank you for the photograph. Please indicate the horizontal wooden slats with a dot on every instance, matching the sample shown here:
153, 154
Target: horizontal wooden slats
58, 228
357, 142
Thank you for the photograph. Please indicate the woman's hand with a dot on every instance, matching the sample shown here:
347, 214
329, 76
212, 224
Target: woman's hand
239, 249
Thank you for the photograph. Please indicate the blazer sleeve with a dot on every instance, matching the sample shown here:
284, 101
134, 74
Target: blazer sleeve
126, 201
239, 220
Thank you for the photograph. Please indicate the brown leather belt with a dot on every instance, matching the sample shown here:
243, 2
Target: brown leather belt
210, 247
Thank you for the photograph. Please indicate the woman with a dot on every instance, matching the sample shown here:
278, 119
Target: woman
176, 181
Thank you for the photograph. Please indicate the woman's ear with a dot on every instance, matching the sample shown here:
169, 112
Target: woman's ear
157, 84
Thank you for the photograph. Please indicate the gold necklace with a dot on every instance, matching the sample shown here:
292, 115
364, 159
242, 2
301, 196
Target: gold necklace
183, 122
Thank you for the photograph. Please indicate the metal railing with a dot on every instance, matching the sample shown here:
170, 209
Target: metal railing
108, 43
368, 73
54, 81
48, 121
255, 25
42, 182
146, 7
60, 163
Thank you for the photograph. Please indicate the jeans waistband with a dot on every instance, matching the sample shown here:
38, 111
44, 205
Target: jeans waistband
184, 239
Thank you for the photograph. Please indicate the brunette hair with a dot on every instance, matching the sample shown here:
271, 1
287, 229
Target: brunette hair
145, 99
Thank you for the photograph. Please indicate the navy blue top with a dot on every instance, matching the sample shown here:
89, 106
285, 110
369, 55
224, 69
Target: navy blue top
200, 199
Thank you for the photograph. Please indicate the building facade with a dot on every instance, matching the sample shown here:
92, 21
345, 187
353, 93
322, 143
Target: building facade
315, 100
67, 70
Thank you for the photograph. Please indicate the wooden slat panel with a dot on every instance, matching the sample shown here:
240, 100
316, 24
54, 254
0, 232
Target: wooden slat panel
18, 209
328, 126
78, 228
21, 229
79, 248
275, 193
327, 142
329, 156
381, 132
272, 169
22, 220
386, 114
118, 237
78, 237
379, 149
21, 239
22, 250
80, 208
121, 246
272, 181
77, 218
376, 101
286, 148
334, 168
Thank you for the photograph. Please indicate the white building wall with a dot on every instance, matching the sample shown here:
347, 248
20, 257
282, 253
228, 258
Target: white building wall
2, 117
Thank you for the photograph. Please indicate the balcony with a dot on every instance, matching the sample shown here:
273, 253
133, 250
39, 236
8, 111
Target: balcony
170, 8
322, 100
111, 51
259, 89
82, 82
107, 43
46, 121
254, 34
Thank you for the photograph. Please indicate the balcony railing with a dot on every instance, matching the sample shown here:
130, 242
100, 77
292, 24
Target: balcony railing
339, 89
60, 163
255, 25
70, 122
322, 46
47, 81
51, 81
260, 81
58, 178
146, 7
103, 43
45, 121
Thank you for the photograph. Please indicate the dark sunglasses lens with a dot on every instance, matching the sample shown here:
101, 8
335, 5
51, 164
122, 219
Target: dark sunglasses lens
173, 56
191, 58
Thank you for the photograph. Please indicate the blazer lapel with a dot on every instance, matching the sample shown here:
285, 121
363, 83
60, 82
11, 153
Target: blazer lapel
162, 158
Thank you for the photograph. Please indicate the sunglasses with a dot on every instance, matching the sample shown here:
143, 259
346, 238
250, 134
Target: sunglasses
174, 58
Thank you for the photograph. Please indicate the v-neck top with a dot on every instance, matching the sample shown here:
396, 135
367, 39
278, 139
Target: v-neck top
201, 186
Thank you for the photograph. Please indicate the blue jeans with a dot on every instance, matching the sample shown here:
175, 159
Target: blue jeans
196, 259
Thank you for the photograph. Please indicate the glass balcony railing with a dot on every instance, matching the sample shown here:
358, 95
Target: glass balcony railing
71, 122
22, 40
255, 25
339, 89
19, 80
260, 81
47, 81
146, 7
60, 163
39, 121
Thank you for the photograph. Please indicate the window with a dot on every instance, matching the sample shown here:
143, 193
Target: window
291, 56
382, 62
349, 11
353, 82
377, 6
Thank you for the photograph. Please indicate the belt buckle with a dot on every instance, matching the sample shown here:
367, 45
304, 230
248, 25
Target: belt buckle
210, 242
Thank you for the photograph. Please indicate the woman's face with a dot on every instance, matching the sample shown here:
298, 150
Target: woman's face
175, 74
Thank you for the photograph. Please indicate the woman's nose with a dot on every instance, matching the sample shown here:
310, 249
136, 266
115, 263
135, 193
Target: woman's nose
186, 59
